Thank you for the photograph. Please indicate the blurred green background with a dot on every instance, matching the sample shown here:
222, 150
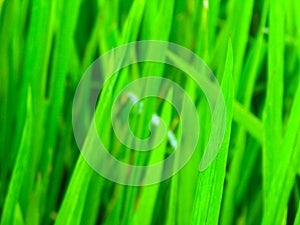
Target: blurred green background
253, 48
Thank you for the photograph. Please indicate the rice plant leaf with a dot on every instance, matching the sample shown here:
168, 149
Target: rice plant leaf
21, 167
274, 103
283, 178
210, 185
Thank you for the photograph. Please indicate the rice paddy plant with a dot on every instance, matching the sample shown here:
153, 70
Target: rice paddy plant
252, 48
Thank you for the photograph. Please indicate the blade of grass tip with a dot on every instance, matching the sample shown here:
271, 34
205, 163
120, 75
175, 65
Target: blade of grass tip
210, 185
284, 177
20, 171
238, 27
245, 120
272, 118
18, 217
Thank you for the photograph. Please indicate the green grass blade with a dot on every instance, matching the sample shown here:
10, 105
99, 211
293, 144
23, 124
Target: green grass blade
274, 103
210, 186
35, 68
283, 178
21, 168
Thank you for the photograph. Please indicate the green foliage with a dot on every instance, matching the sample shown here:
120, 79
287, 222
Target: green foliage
253, 48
